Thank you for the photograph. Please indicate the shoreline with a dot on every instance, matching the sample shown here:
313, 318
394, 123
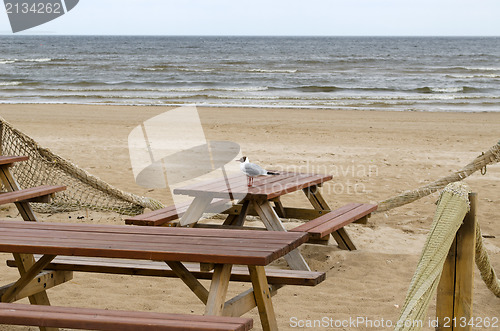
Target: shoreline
250, 107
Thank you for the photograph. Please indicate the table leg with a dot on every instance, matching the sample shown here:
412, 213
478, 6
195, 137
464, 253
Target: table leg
195, 210
218, 289
273, 223
27, 277
263, 297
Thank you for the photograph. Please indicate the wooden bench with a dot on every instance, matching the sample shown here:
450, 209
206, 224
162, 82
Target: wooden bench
160, 269
333, 222
32, 194
114, 320
163, 216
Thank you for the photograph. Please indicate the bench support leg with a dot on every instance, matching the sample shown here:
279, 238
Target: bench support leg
183, 273
263, 297
273, 223
27, 277
218, 289
343, 240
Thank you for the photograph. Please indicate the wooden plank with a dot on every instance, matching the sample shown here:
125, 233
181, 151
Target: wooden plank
343, 240
290, 212
218, 290
170, 213
313, 194
195, 210
160, 216
263, 298
8, 160
273, 223
240, 220
278, 207
289, 185
183, 273
43, 281
336, 223
446, 291
466, 239
160, 269
29, 193
455, 289
244, 302
306, 227
115, 320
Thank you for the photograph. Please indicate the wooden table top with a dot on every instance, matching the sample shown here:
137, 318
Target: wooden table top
148, 243
264, 187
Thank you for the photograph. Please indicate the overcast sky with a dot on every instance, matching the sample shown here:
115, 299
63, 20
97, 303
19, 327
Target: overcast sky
275, 17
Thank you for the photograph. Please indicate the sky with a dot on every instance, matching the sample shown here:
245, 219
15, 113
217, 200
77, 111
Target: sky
275, 18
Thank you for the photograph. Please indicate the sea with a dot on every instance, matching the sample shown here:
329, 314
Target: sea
449, 74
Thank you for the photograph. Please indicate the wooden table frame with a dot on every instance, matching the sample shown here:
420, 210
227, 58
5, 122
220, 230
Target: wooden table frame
259, 199
174, 245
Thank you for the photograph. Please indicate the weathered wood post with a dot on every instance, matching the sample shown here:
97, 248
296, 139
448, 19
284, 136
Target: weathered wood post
454, 294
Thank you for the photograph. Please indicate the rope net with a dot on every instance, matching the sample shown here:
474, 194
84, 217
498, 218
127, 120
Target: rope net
84, 191
490, 157
452, 207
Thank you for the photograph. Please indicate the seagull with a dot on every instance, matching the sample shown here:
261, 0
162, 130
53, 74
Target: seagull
252, 170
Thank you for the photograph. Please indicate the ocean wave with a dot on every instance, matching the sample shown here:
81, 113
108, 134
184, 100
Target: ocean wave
474, 76
482, 68
38, 60
10, 83
279, 71
452, 89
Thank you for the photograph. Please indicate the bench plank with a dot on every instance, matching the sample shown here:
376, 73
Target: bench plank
114, 320
160, 269
29, 193
340, 221
164, 215
7, 160
335, 220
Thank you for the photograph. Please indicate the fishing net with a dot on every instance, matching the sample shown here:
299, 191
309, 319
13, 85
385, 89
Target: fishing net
84, 191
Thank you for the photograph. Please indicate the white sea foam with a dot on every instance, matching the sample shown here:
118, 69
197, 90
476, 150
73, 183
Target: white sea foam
10, 83
284, 71
38, 60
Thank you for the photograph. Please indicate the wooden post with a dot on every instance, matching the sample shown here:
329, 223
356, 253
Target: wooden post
454, 294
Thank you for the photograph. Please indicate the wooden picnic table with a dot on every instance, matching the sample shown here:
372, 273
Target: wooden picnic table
265, 192
174, 245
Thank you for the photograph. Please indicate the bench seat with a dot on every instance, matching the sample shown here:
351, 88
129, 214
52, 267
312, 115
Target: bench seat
114, 320
165, 215
333, 222
160, 269
32, 194
9, 160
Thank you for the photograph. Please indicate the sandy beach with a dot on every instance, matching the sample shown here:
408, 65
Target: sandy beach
372, 155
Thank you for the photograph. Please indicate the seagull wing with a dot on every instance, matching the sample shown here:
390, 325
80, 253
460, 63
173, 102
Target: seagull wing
252, 169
